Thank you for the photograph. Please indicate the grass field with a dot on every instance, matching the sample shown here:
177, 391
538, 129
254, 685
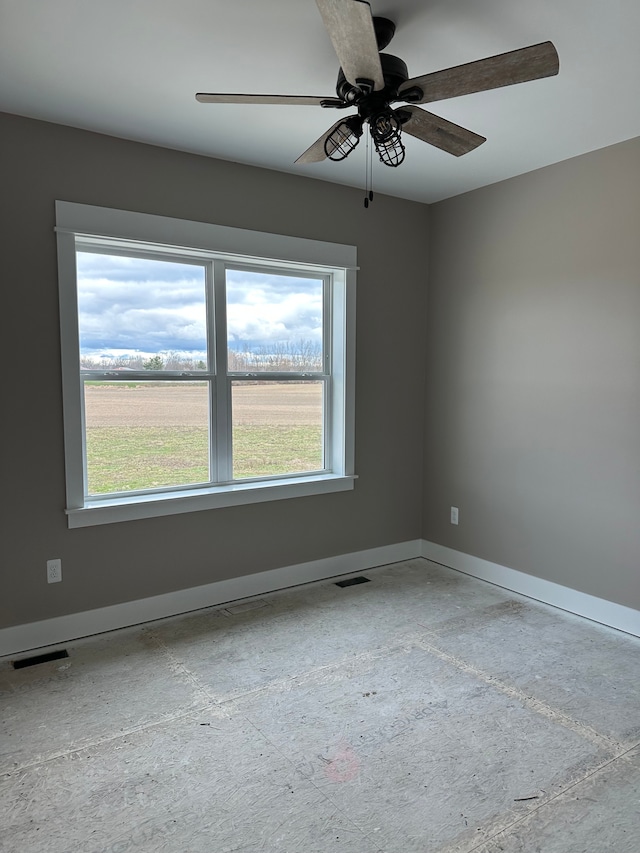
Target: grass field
154, 435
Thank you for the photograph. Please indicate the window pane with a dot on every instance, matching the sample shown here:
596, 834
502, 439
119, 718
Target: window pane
146, 435
274, 322
137, 314
277, 428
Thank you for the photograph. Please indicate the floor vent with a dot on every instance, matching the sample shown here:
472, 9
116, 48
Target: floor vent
353, 581
19, 664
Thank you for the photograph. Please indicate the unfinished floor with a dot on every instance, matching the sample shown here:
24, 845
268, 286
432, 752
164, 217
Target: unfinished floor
422, 711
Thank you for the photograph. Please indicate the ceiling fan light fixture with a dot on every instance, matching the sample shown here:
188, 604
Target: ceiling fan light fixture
343, 139
387, 138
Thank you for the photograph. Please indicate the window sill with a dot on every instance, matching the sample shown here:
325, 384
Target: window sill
110, 511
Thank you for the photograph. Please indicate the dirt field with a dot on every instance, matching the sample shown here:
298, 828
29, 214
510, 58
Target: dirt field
186, 405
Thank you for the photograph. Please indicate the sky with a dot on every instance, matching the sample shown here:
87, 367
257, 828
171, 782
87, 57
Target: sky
135, 306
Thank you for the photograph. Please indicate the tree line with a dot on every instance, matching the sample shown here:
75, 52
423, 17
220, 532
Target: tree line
301, 357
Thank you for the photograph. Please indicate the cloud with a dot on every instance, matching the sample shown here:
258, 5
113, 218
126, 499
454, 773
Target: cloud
120, 268
140, 305
265, 309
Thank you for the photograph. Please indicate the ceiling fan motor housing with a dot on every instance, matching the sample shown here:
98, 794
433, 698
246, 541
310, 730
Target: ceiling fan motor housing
395, 73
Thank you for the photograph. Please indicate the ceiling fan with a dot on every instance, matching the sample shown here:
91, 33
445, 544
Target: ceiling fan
372, 81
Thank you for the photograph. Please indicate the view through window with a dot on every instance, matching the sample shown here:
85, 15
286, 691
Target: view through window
153, 377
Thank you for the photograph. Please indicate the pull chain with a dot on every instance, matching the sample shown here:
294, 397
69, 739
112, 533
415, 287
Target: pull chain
368, 173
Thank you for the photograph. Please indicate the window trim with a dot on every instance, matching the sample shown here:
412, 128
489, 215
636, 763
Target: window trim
235, 246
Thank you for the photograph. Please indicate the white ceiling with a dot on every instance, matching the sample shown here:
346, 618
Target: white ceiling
130, 68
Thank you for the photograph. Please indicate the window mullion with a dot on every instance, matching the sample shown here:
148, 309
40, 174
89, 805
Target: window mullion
222, 385
211, 371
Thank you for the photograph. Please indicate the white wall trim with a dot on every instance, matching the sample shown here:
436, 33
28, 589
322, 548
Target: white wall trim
63, 629
591, 607
88, 219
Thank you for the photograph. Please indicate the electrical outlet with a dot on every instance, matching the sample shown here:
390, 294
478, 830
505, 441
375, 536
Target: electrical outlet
454, 515
54, 571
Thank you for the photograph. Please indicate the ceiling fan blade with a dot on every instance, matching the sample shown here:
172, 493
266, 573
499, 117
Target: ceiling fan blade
505, 69
350, 27
296, 100
438, 131
315, 153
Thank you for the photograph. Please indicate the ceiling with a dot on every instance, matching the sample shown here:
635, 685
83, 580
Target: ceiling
131, 68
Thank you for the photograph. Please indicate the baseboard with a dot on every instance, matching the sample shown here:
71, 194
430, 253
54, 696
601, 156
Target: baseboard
63, 629
590, 606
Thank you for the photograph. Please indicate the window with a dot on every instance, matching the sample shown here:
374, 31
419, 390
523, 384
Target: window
203, 366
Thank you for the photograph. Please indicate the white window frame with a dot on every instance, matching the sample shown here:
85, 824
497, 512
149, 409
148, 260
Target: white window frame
79, 225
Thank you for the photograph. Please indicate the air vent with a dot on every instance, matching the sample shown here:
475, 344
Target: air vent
353, 581
36, 659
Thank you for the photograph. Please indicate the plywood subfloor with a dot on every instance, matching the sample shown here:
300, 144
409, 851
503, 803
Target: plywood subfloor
424, 711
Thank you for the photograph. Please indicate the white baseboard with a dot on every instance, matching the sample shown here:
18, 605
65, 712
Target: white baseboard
53, 632
63, 629
597, 609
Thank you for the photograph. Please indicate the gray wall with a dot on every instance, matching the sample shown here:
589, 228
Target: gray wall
533, 374
121, 562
